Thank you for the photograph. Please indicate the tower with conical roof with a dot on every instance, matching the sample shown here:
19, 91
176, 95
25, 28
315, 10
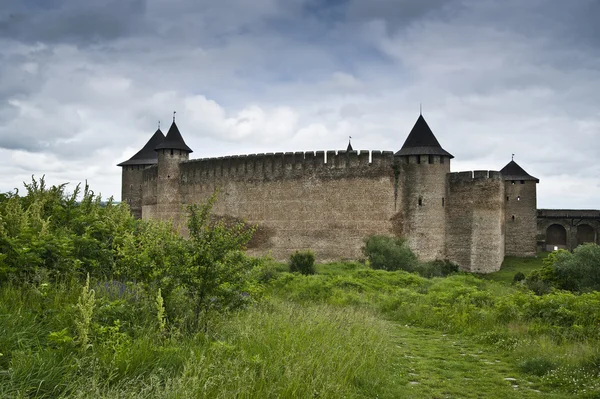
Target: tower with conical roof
132, 169
171, 152
520, 211
421, 166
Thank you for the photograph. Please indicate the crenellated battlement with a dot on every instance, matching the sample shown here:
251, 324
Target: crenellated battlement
288, 165
469, 176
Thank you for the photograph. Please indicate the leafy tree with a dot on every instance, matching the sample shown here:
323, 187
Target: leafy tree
580, 270
216, 277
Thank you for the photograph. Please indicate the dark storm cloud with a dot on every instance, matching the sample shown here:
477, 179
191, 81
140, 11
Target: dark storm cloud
70, 21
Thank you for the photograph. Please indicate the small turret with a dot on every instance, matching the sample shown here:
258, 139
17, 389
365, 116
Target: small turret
131, 181
171, 152
349, 148
421, 141
421, 168
520, 210
174, 141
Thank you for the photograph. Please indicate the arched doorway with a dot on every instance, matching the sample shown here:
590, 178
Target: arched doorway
585, 233
556, 237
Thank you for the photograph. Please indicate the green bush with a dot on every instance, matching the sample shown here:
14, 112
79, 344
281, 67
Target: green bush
578, 271
436, 268
389, 253
519, 276
302, 262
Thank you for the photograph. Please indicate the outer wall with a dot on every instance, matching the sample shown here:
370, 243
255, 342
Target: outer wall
131, 188
299, 203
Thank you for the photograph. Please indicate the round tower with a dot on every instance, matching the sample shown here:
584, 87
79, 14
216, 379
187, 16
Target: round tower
171, 152
421, 167
520, 211
132, 170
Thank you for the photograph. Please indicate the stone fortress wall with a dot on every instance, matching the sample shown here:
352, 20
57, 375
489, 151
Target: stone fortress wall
324, 201
475, 220
330, 201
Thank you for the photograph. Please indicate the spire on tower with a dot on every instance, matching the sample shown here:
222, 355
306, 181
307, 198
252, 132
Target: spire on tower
174, 112
349, 144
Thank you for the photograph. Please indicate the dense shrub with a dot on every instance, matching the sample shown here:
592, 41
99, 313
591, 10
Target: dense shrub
577, 271
519, 276
580, 270
389, 253
49, 236
302, 262
437, 268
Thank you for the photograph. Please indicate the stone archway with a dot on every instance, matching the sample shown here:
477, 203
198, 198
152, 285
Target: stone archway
585, 234
556, 237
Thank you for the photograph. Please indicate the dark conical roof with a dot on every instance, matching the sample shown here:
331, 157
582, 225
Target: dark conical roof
173, 141
512, 171
421, 141
147, 155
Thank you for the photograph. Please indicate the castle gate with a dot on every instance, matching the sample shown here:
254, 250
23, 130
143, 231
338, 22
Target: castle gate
567, 228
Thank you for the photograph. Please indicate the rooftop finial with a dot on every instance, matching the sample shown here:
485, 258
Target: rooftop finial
158, 125
349, 144
421, 109
174, 112
513, 157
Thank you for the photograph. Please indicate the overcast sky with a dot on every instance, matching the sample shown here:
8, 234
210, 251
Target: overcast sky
84, 83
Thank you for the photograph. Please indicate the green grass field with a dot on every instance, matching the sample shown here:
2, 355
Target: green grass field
346, 332
512, 265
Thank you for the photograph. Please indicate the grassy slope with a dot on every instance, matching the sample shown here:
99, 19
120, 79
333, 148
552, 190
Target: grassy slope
512, 265
348, 332
436, 365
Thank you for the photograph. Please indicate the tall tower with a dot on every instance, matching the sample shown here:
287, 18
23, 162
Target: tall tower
131, 180
421, 166
171, 152
520, 211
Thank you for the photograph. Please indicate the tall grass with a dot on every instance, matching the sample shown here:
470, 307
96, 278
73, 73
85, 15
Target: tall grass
274, 349
555, 336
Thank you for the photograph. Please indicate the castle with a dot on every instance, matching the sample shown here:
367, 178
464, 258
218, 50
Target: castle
329, 201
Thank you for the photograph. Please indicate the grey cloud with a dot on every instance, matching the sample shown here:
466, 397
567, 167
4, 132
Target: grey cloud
398, 13
495, 78
71, 21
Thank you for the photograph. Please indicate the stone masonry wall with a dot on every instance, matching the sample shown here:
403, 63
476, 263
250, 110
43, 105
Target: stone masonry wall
149, 191
475, 220
423, 193
168, 190
520, 217
298, 200
131, 188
